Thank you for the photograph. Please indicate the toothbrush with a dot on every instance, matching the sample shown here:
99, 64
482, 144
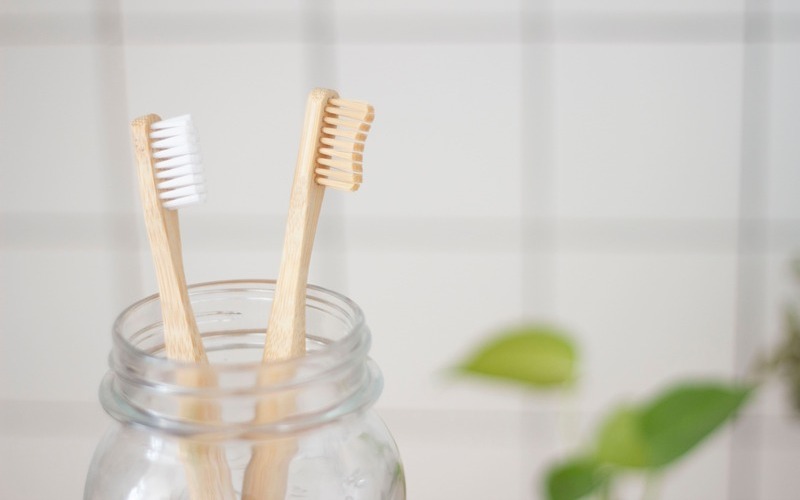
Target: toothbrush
170, 177
330, 155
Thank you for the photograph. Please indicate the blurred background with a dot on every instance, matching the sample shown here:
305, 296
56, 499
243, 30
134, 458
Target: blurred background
626, 169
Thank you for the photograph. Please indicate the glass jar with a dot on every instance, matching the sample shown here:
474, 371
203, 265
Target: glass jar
328, 442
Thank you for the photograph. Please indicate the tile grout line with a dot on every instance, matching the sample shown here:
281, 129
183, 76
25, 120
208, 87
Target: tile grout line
379, 233
474, 27
537, 181
536, 157
321, 59
112, 93
750, 271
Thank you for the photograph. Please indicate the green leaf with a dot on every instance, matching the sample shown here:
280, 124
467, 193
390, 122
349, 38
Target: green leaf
668, 427
621, 440
680, 418
575, 479
537, 356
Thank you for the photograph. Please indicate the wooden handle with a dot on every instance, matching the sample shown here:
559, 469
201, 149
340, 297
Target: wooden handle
207, 472
182, 341
286, 331
267, 473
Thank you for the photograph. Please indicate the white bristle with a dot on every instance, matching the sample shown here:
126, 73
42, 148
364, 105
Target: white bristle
182, 181
182, 120
179, 171
174, 144
178, 161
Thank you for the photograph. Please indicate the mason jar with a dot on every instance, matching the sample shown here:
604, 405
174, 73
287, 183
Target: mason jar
175, 438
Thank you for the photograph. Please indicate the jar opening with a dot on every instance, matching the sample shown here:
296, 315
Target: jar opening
139, 328
334, 378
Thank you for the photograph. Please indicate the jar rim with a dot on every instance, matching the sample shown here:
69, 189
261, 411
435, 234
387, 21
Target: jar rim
313, 292
336, 379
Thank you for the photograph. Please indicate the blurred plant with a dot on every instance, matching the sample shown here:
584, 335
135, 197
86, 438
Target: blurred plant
646, 437
535, 356
784, 361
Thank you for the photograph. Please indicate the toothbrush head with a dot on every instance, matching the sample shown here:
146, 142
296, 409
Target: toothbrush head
344, 130
179, 170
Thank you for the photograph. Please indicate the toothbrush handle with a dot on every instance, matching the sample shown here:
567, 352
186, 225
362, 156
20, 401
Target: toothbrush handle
207, 472
267, 473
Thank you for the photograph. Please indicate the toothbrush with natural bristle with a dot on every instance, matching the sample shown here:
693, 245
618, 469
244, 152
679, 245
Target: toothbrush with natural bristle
171, 177
330, 155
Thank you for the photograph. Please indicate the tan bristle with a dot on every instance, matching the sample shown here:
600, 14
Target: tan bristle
339, 175
357, 125
340, 164
340, 159
348, 145
343, 132
347, 155
350, 103
343, 186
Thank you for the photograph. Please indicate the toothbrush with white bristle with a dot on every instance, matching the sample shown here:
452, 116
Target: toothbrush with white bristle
170, 177
179, 166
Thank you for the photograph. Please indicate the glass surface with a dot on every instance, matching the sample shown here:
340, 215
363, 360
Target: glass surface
183, 430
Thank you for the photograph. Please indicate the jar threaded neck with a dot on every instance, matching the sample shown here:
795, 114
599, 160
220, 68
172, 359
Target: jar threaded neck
335, 379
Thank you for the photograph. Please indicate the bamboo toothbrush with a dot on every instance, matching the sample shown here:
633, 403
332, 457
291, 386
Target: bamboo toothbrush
170, 177
333, 138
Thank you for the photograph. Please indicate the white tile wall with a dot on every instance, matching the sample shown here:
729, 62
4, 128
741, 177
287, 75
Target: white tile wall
25, 458
50, 150
476, 455
783, 149
633, 314
47, 6
183, 6
582, 163
243, 99
448, 6
57, 309
446, 139
780, 452
647, 131
682, 6
784, 5
425, 312
36, 438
